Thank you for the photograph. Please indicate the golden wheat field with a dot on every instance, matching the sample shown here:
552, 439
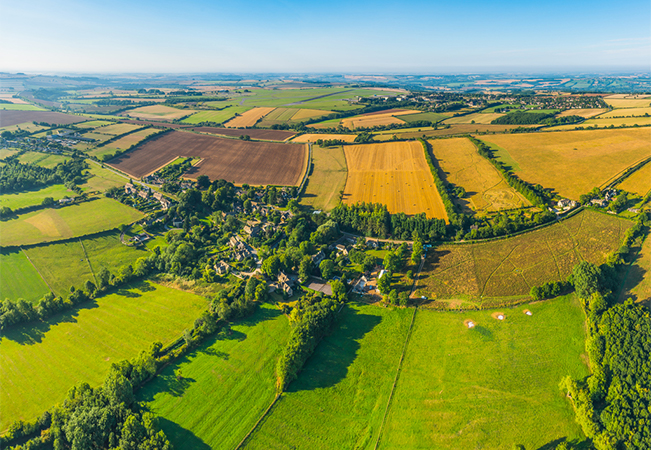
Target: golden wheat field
158, 112
373, 119
639, 182
395, 174
626, 112
309, 137
485, 187
249, 118
482, 118
572, 162
628, 102
303, 114
585, 113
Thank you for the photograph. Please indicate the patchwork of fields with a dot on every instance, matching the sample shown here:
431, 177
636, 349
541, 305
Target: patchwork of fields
8, 118
248, 118
395, 174
269, 135
158, 112
327, 180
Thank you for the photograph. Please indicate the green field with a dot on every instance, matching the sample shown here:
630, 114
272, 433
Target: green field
70, 221
18, 200
492, 386
216, 116
19, 107
227, 384
340, 396
19, 279
430, 116
482, 273
42, 361
42, 159
102, 179
94, 124
327, 179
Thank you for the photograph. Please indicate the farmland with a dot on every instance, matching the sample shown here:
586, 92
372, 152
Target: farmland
395, 174
478, 273
19, 107
339, 398
586, 113
248, 118
488, 387
350, 138
485, 187
158, 112
572, 162
289, 115
123, 143
618, 102
639, 182
117, 129
219, 116
256, 163
80, 346
627, 112
102, 179
8, 118
269, 135
430, 116
327, 180
454, 129
17, 200
236, 369
598, 122
480, 118
378, 118
637, 281
18, 278
70, 221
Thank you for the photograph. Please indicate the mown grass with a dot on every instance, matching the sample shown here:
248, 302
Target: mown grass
19, 107
220, 116
39, 362
102, 179
327, 180
339, 398
18, 278
42, 159
492, 386
16, 200
226, 384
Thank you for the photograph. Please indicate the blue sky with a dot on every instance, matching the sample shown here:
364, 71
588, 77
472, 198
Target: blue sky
327, 36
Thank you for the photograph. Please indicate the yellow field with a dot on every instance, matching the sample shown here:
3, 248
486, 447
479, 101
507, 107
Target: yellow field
572, 162
9, 96
117, 129
131, 139
626, 112
639, 182
477, 118
158, 112
248, 118
487, 190
395, 174
375, 119
586, 113
628, 102
603, 123
303, 114
315, 137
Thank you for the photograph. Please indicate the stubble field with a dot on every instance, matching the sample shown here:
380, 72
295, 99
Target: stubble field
249, 118
639, 182
158, 112
268, 135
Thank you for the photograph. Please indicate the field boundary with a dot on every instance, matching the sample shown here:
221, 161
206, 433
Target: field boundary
37, 271
238, 446
90, 266
395, 381
307, 171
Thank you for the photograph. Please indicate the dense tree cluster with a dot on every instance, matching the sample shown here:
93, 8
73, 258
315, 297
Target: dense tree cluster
522, 118
17, 177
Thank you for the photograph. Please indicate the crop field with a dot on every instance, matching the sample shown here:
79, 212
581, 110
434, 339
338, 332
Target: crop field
350, 138
628, 102
572, 162
42, 361
59, 223
8, 118
639, 182
510, 267
628, 112
102, 179
481, 118
485, 187
339, 398
491, 386
98, 137
117, 129
378, 118
16, 200
327, 180
158, 112
254, 133
303, 114
331, 123
28, 126
454, 129
395, 174
6, 152
48, 160
637, 281
255, 163
586, 113
19, 107
277, 116
431, 116
248, 118
236, 371
220, 116
18, 278
124, 142
94, 124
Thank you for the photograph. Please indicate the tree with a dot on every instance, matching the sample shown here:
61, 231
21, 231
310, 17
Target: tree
327, 268
271, 266
384, 283
586, 279
393, 297
247, 205
118, 388
404, 298
368, 264
339, 290
305, 268
391, 262
203, 182
103, 277
417, 252
48, 201
293, 206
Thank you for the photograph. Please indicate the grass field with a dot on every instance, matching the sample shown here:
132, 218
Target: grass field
627, 112
220, 116
327, 180
637, 280
616, 102
235, 372
76, 220
492, 386
158, 112
480, 118
42, 159
478, 273
94, 124
573, 162
339, 398
639, 182
123, 143
395, 174
350, 138
35, 197
102, 179
19, 279
587, 112
42, 361
248, 118
19, 107
117, 129
332, 123
485, 187
304, 113
27, 126
431, 116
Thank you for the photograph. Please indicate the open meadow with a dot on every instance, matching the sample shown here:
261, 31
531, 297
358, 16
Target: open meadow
636, 283
504, 270
486, 189
217, 116
42, 361
117, 129
102, 179
248, 118
327, 180
639, 182
572, 162
18, 278
234, 371
60, 223
340, 396
492, 386
158, 112
395, 174
16, 200
47, 160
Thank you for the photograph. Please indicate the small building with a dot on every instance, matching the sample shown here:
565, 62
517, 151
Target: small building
341, 249
316, 259
65, 201
222, 268
360, 286
129, 189
177, 222
144, 194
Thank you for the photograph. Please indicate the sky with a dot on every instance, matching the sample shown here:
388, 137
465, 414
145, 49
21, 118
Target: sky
287, 36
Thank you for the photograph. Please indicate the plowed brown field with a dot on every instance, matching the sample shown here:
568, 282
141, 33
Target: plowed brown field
395, 174
254, 133
256, 163
8, 118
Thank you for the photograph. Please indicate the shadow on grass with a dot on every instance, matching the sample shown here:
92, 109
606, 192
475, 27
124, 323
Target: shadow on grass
578, 445
485, 333
180, 437
336, 352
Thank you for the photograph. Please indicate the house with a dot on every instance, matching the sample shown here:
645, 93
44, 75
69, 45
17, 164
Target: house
372, 244
129, 189
222, 268
360, 286
283, 278
287, 289
66, 200
177, 222
252, 228
141, 238
382, 272
316, 259
165, 203
599, 203
144, 194
341, 249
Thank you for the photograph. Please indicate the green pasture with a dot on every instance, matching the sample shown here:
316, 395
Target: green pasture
16, 200
18, 278
93, 124
226, 384
430, 116
19, 107
42, 361
42, 159
6, 152
102, 179
220, 116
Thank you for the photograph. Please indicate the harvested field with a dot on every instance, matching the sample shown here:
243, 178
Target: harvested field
350, 138
431, 116
376, 118
255, 163
116, 129
220, 116
94, 124
573, 162
303, 114
586, 113
249, 118
627, 112
395, 174
485, 187
327, 180
131, 139
510, 267
481, 118
269, 135
639, 182
628, 102
454, 129
598, 122
8, 118
158, 112
155, 124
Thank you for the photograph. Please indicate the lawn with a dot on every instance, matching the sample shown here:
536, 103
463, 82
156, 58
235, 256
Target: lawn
40, 362
19, 279
340, 396
492, 386
327, 180
59, 223
227, 384
16, 200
